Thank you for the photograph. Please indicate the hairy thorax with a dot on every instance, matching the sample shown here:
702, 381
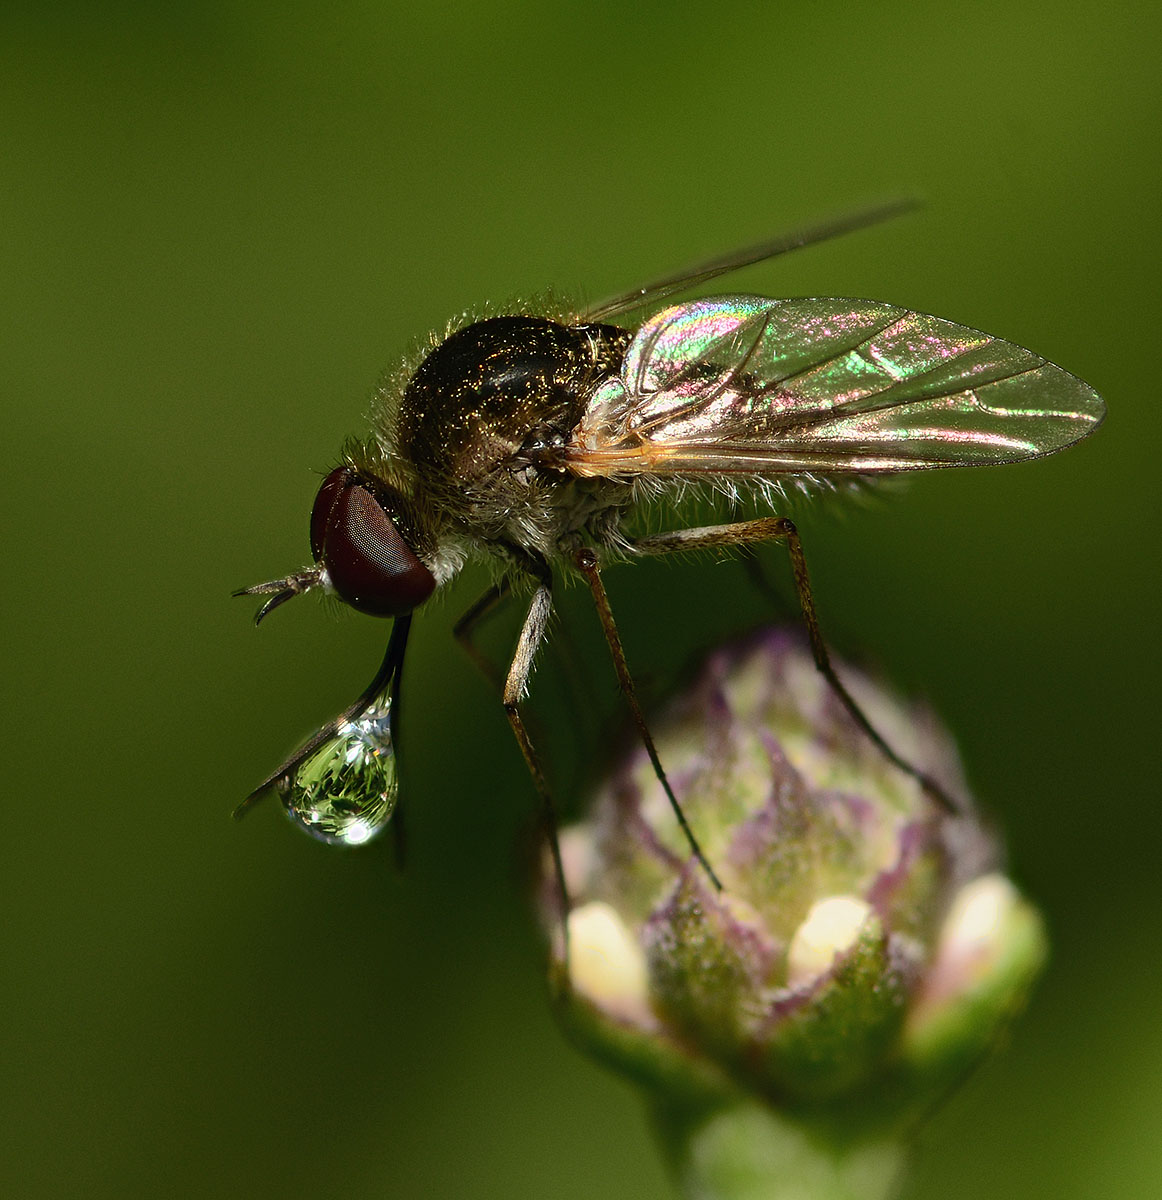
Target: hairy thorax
484, 417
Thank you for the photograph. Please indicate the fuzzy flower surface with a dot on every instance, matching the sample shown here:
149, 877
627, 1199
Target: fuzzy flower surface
864, 952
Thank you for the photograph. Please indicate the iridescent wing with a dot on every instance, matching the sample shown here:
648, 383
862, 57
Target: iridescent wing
744, 385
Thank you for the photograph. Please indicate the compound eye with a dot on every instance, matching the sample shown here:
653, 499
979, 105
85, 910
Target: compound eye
370, 565
330, 491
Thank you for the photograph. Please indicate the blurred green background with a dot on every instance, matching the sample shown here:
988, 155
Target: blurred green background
219, 223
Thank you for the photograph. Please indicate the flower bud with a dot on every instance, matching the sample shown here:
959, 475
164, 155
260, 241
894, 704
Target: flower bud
864, 949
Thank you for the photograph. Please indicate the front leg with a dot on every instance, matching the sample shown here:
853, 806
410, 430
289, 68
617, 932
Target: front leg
532, 634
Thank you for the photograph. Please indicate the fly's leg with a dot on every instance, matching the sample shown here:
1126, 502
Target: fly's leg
532, 634
512, 689
748, 556
782, 529
464, 632
586, 562
465, 627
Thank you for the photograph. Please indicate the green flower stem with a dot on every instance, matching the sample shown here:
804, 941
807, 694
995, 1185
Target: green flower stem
747, 1151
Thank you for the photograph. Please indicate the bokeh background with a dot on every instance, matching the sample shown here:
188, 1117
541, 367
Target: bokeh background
219, 222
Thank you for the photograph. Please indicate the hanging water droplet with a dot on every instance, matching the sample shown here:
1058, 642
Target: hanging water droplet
345, 791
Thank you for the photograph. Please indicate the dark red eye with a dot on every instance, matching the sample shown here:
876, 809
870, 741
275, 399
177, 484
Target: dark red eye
332, 488
369, 564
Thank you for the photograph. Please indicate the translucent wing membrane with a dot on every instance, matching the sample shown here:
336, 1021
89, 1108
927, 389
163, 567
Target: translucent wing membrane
744, 385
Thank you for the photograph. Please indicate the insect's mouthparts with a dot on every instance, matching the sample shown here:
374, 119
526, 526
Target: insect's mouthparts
283, 589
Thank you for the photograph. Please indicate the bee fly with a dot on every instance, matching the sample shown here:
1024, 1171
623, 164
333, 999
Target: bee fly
530, 439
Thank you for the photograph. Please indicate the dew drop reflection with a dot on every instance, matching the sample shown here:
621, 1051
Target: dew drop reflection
344, 792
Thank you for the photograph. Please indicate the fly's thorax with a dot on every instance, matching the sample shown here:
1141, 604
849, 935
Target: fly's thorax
499, 395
